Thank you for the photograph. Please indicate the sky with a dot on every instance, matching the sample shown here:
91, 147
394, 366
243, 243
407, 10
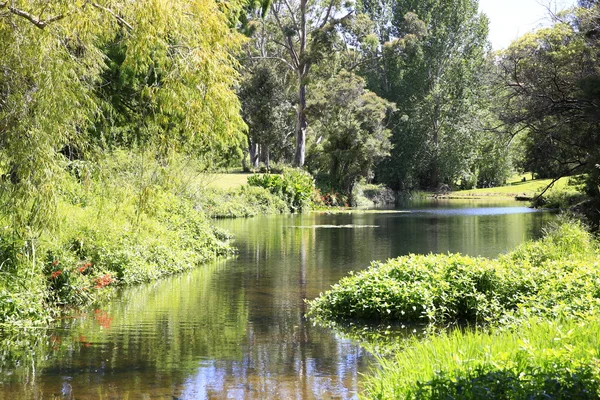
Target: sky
510, 19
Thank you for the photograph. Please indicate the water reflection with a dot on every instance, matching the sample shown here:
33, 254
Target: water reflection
236, 329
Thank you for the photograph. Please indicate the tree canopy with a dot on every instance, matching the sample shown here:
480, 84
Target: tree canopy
88, 75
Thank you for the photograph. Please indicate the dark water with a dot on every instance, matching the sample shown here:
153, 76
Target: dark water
235, 329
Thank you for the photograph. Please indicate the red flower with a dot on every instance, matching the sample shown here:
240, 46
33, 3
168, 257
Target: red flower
55, 263
102, 281
84, 267
55, 274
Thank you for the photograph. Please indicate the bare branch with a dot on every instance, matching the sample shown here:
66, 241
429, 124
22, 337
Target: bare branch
43, 23
289, 46
327, 14
30, 17
283, 60
569, 172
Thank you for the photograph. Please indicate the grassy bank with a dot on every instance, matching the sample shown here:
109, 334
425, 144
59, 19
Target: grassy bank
543, 359
517, 188
123, 220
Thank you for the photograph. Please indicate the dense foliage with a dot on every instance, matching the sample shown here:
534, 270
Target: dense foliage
294, 186
556, 276
350, 129
552, 79
151, 81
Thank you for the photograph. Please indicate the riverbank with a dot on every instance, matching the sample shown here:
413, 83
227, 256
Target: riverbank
123, 220
520, 302
523, 188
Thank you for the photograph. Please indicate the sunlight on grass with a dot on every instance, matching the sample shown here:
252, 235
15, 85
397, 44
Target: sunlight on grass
227, 181
528, 189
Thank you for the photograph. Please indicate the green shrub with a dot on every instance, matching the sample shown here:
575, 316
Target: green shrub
294, 186
558, 275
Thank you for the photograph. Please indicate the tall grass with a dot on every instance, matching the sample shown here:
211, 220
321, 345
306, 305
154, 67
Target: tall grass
543, 359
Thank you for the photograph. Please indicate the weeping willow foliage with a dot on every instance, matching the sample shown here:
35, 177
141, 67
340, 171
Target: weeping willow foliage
54, 66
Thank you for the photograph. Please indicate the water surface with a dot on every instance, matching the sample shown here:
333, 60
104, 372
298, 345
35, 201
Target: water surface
236, 328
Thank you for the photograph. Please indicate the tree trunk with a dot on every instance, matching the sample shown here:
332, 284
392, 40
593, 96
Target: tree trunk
253, 149
302, 73
264, 155
302, 125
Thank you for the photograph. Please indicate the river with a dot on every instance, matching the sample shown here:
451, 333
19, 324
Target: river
235, 329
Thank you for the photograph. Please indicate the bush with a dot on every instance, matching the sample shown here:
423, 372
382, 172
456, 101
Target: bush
294, 186
558, 275
247, 201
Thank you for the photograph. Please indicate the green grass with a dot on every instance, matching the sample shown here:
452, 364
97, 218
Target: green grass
555, 359
527, 189
226, 181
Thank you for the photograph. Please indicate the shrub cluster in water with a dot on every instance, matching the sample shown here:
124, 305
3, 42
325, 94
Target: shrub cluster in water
558, 275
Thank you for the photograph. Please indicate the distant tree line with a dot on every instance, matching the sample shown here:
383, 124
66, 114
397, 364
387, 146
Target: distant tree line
410, 94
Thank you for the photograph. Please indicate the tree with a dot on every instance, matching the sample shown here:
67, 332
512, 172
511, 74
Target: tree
306, 28
265, 109
552, 81
429, 63
59, 88
349, 124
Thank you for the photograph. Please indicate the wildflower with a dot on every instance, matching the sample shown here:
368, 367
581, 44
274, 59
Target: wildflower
84, 267
102, 281
55, 274
55, 263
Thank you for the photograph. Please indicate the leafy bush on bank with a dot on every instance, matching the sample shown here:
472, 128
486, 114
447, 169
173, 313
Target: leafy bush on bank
557, 275
294, 186
246, 201
123, 220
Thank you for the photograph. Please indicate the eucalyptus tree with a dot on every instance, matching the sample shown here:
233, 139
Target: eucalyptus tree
54, 74
305, 29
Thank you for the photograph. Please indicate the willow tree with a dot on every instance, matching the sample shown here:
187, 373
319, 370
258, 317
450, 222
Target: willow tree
52, 67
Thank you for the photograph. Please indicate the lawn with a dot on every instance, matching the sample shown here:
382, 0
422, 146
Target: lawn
528, 189
227, 181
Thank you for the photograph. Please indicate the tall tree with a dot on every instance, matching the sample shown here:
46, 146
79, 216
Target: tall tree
266, 111
306, 28
428, 63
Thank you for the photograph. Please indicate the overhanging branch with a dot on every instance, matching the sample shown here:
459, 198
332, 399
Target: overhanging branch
30, 17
